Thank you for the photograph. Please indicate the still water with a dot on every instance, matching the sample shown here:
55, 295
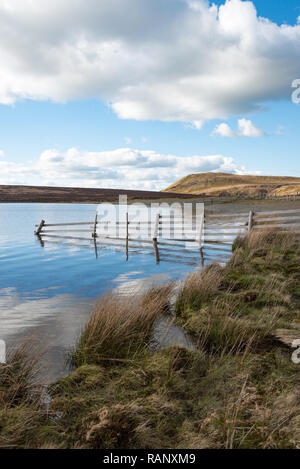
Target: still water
48, 292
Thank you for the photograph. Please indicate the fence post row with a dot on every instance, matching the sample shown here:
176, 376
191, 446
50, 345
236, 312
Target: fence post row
215, 232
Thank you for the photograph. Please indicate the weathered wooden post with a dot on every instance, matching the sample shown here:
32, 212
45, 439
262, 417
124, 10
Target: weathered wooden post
94, 234
250, 220
40, 227
199, 237
155, 235
127, 236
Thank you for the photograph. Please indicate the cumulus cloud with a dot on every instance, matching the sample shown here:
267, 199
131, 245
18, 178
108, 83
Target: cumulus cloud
246, 128
121, 168
223, 130
172, 60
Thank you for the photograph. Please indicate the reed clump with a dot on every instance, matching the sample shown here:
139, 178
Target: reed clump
19, 376
199, 288
121, 327
22, 415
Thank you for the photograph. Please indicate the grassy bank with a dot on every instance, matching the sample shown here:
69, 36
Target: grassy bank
238, 389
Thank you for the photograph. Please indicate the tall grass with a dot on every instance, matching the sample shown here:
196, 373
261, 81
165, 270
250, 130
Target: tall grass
198, 288
269, 243
221, 305
20, 376
120, 326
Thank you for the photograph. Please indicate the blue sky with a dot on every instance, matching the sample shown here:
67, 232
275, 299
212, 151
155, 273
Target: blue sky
135, 106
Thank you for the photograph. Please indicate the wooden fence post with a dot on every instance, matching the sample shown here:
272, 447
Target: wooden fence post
250, 220
94, 235
40, 227
200, 232
155, 235
127, 236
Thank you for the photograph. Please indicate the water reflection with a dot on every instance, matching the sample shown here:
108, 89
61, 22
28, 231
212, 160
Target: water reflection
48, 292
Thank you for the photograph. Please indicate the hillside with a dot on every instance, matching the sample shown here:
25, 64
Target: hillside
45, 194
224, 184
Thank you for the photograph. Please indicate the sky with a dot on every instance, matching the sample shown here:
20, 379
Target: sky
139, 93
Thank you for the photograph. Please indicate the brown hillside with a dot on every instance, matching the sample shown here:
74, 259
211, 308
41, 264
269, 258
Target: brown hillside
73, 194
223, 184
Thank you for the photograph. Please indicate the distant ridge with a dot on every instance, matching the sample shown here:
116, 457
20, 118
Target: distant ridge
224, 184
44, 194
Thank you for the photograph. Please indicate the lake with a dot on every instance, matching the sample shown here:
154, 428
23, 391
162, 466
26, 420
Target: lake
48, 292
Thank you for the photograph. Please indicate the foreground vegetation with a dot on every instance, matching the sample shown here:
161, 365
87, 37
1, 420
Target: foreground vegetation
237, 388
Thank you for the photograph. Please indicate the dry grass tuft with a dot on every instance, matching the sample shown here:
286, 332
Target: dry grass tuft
198, 288
120, 327
19, 376
21, 394
268, 242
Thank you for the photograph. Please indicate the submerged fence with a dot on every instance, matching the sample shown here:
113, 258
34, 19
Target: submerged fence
170, 238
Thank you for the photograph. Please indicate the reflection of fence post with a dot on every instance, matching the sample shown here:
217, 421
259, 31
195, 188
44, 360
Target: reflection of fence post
40, 227
155, 236
250, 221
40, 240
127, 235
95, 246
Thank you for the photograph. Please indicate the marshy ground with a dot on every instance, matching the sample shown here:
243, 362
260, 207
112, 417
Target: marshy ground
238, 388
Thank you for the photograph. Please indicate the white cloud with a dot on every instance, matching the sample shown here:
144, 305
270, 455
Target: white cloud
223, 130
122, 168
173, 60
246, 128
128, 140
1, 153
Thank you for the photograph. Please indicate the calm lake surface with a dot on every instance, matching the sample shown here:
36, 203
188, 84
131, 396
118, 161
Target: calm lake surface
48, 292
